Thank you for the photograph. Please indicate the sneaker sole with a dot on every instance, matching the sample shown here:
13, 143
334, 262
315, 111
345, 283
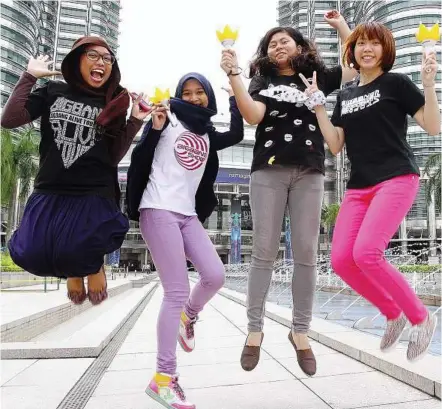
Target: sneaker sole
423, 353
183, 345
155, 397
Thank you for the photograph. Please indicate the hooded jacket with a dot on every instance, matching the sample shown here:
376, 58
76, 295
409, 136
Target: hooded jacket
143, 154
77, 157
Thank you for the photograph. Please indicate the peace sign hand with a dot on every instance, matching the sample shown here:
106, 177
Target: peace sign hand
315, 96
310, 88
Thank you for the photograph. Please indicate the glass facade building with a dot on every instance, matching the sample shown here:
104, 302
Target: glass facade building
29, 28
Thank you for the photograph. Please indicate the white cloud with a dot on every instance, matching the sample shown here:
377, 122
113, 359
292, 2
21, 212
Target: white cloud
161, 41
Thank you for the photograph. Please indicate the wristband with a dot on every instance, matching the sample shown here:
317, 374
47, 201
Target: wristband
317, 98
231, 73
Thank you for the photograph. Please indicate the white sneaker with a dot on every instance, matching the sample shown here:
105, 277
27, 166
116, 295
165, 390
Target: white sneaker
393, 332
166, 390
420, 338
186, 337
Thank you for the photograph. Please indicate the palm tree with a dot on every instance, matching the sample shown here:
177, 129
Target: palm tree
433, 169
19, 150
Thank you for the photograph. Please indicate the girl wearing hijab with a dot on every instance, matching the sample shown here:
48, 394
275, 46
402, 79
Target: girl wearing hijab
170, 191
72, 218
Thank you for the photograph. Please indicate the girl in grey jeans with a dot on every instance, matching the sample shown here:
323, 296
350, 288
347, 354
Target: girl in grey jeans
287, 170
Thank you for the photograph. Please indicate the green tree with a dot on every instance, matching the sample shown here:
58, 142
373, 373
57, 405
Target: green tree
433, 170
19, 150
329, 215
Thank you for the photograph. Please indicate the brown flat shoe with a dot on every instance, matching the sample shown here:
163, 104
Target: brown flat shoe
250, 356
306, 358
76, 295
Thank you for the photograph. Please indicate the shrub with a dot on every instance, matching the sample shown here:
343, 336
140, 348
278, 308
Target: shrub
7, 265
420, 268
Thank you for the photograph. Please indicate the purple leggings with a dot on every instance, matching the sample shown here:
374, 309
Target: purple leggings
172, 238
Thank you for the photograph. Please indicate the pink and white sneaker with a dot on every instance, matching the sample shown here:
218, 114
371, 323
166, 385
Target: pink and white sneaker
186, 337
166, 390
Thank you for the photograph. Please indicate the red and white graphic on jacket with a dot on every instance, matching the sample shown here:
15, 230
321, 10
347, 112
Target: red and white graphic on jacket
190, 150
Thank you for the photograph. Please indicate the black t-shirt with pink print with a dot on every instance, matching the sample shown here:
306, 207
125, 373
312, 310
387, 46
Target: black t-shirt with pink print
289, 133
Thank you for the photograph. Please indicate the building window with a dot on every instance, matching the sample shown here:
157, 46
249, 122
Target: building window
8, 77
73, 28
13, 56
76, 13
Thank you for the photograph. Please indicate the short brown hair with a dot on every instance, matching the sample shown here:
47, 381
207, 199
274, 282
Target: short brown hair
371, 30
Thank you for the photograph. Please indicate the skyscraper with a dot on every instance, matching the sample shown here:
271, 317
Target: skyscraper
50, 28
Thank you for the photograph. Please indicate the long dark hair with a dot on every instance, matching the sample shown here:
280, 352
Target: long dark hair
306, 62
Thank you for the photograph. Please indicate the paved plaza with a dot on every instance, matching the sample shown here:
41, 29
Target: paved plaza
211, 376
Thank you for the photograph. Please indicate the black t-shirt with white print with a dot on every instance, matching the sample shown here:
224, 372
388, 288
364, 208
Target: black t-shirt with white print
289, 133
374, 120
74, 159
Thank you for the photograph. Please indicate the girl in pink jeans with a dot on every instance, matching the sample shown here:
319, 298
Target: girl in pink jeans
371, 115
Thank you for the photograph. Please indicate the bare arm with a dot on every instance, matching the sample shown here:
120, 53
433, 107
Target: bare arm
335, 19
428, 116
333, 135
252, 111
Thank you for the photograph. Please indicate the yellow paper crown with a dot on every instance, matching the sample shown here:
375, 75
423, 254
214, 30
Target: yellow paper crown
160, 96
227, 34
424, 33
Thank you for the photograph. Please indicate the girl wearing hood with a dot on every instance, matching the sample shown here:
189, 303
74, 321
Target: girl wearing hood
170, 191
72, 218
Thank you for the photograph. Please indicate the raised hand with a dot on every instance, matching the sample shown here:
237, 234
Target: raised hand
429, 69
229, 91
229, 61
312, 87
39, 67
334, 18
137, 111
159, 116
316, 97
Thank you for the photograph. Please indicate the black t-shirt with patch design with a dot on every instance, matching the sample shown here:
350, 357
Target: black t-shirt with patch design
374, 120
289, 133
74, 159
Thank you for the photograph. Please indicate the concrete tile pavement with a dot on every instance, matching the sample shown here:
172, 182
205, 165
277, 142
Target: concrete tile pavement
213, 379
211, 375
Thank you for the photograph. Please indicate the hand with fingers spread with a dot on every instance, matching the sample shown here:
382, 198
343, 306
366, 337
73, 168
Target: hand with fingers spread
429, 69
140, 112
38, 67
159, 115
315, 96
229, 61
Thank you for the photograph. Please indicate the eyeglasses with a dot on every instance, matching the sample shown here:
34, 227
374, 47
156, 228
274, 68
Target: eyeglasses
95, 56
